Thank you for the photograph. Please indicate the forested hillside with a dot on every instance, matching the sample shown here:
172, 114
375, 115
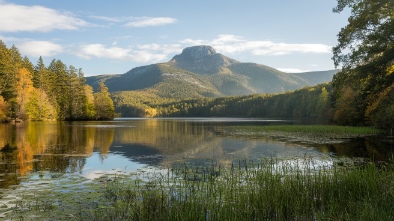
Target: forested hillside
309, 102
37, 92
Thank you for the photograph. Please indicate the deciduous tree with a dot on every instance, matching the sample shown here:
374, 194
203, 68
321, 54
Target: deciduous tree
104, 105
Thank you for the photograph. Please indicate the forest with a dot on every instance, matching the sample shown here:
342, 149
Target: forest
56, 92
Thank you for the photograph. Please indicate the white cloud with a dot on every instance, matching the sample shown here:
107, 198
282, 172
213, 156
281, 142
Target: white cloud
149, 21
232, 44
39, 48
16, 18
140, 54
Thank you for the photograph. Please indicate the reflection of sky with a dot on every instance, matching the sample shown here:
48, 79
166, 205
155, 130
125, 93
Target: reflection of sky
97, 165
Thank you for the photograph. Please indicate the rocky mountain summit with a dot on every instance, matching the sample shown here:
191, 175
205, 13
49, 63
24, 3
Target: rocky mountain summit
202, 60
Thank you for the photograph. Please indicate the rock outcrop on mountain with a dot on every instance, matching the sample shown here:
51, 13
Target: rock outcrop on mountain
201, 60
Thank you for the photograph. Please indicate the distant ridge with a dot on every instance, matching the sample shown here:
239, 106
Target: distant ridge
199, 71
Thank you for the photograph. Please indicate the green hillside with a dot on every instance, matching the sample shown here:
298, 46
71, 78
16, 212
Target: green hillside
317, 77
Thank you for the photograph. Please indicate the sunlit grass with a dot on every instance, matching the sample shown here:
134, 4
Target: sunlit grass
269, 189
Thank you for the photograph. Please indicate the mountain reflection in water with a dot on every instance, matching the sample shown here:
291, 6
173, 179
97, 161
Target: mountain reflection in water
93, 148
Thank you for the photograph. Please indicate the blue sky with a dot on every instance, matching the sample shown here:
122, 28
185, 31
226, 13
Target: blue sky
112, 37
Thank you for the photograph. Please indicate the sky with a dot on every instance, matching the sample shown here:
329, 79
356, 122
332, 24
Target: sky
112, 37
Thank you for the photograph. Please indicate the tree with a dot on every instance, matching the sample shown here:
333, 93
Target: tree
7, 73
369, 35
89, 108
365, 51
105, 109
4, 111
39, 107
24, 87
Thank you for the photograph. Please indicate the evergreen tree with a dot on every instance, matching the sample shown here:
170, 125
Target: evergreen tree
7, 73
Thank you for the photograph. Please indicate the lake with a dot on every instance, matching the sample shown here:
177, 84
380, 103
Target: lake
31, 150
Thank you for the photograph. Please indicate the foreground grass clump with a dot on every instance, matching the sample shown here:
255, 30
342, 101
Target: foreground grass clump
299, 189
268, 190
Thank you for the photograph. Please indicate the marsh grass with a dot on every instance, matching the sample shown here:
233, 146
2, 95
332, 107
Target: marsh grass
305, 133
269, 189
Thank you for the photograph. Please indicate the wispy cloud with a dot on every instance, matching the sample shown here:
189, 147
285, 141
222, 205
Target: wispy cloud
137, 21
17, 18
149, 21
234, 44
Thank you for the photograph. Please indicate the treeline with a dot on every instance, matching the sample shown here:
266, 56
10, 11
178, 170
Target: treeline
309, 102
37, 92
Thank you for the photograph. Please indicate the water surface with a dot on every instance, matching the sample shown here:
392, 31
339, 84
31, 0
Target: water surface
35, 149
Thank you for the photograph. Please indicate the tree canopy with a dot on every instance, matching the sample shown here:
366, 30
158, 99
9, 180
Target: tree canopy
365, 51
40, 93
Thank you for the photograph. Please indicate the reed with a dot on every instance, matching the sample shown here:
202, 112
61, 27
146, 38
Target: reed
266, 190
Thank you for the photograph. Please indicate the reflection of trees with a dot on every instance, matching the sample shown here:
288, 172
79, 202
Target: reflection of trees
103, 139
53, 146
24, 158
372, 148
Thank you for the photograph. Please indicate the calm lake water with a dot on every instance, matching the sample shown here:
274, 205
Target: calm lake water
91, 149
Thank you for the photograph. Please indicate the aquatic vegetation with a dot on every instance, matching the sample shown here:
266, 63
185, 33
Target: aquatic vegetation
305, 133
269, 189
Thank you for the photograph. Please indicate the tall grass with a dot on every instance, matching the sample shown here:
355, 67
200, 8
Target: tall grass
265, 190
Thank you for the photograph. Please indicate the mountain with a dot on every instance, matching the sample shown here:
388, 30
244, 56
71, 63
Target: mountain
317, 77
200, 71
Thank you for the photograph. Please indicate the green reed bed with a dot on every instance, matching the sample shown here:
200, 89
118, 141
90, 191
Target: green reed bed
306, 133
269, 189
